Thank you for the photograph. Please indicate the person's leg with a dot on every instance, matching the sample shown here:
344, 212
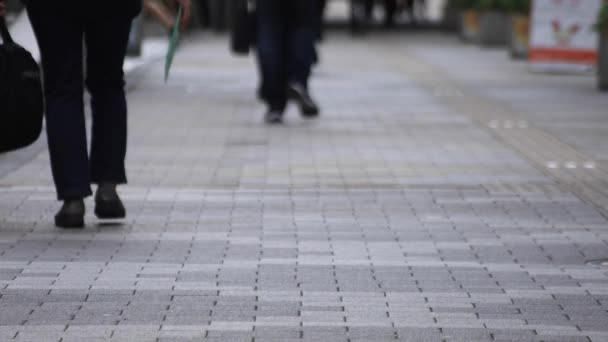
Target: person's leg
410, 10
320, 16
300, 41
319, 27
59, 34
301, 54
361, 12
419, 10
369, 9
271, 52
390, 8
106, 41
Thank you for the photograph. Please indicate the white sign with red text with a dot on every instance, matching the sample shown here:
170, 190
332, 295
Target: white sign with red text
562, 35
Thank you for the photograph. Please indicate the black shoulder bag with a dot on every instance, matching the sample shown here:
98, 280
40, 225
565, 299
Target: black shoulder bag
21, 99
244, 27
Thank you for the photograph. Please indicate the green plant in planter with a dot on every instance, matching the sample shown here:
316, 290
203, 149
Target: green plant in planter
492, 5
602, 19
521, 7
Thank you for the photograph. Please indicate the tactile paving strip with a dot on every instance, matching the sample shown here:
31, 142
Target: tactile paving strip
572, 169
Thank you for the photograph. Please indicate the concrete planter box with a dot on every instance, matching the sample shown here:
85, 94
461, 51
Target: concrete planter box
603, 61
519, 41
469, 26
494, 28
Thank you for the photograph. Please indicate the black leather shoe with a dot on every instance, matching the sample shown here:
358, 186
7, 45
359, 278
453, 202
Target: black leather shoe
71, 215
108, 205
308, 107
274, 117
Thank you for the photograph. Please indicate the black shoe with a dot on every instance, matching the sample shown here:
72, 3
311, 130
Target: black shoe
274, 117
308, 107
108, 205
71, 215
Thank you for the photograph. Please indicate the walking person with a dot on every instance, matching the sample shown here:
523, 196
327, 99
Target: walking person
64, 29
321, 6
390, 12
362, 14
286, 52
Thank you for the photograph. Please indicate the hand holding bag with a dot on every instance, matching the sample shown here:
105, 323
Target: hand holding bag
21, 98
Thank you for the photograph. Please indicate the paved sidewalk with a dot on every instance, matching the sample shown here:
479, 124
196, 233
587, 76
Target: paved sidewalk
435, 200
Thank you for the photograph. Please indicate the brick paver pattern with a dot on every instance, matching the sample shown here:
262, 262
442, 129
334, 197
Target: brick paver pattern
394, 217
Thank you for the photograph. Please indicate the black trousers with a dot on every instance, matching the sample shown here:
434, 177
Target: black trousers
63, 32
285, 46
320, 18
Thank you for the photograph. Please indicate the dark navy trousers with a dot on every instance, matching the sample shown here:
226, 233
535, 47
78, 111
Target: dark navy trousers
64, 33
285, 46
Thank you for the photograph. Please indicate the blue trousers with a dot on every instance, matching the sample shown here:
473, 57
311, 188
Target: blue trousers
285, 46
62, 33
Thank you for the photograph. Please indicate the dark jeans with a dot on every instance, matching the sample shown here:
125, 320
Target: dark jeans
285, 46
62, 33
390, 8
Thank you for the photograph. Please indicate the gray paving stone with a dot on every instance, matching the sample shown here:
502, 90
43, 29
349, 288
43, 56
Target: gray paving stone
395, 216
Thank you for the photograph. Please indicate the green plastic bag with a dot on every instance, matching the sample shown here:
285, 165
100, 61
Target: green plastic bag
173, 43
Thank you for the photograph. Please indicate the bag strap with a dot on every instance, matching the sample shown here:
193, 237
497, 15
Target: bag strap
6, 35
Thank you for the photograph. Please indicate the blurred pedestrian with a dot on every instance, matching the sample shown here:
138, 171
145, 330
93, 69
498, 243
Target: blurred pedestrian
286, 52
390, 11
362, 14
417, 10
392, 8
64, 29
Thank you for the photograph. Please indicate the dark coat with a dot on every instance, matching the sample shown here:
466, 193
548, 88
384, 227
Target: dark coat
111, 7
